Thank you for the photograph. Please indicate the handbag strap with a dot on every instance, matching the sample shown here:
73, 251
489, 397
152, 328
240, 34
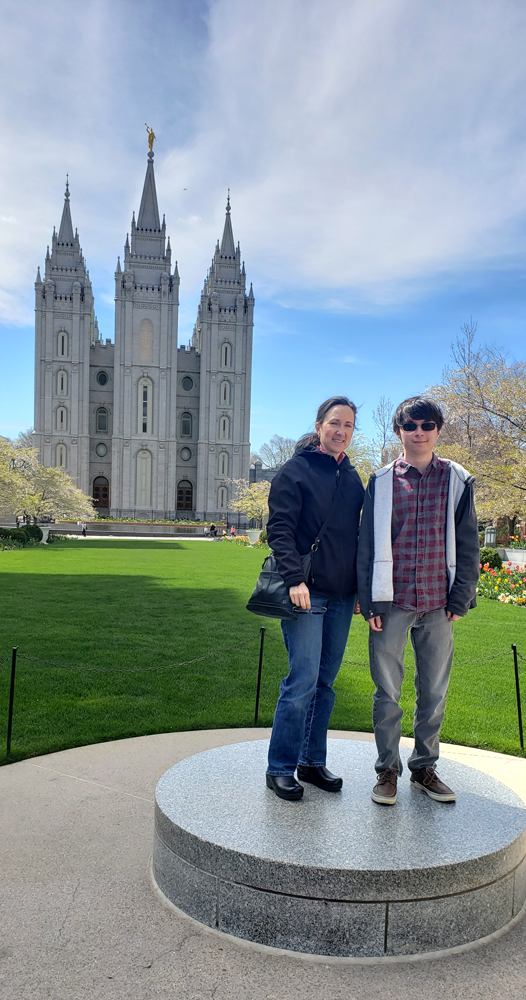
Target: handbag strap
316, 543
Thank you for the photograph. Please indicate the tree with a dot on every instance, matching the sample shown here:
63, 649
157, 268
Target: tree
362, 454
484, 400
278, 451
251, 499
26, 487
386, 441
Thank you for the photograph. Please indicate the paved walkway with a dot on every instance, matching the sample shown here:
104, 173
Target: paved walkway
81, 919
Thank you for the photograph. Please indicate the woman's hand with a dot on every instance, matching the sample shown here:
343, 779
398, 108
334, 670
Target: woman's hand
357, 609
376, 623
300, 596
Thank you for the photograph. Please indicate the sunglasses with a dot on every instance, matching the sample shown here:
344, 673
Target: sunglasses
427, 425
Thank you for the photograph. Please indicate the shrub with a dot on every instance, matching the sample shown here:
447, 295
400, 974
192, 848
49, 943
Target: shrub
263, 535
34, 532
491, 558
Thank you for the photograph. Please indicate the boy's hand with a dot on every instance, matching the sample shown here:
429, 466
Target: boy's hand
376, 623
452, 617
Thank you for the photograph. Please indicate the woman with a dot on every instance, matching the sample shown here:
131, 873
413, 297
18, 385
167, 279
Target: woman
317, 485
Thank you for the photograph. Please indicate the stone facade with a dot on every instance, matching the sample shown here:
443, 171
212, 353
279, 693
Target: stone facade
147, 428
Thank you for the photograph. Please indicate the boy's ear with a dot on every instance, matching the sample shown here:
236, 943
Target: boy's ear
397, 431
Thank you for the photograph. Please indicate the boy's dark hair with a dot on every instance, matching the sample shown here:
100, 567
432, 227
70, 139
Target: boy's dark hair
417, 408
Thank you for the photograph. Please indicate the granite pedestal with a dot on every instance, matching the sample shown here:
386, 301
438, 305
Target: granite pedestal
337, 874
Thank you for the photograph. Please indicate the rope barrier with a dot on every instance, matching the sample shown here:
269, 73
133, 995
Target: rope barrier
134, 670
216, 652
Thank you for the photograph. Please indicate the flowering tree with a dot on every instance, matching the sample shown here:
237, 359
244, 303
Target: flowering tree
484, 399
251, 499
26, 487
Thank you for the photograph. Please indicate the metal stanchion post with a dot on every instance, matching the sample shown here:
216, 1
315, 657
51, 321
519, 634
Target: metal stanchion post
11, 700
261, 642
518, 690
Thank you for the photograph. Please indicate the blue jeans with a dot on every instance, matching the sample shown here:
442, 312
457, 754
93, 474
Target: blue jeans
315, 642
432, 641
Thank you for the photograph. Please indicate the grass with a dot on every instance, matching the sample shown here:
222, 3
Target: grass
117, 612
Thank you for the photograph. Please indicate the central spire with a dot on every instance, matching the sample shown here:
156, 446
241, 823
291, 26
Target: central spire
227, 243
65, 233
149, 212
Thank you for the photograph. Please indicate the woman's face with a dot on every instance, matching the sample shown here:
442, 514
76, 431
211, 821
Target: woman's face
336, 431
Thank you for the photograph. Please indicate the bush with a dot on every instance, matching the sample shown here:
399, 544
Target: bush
15, 534
263, 535
491, 558
34, 532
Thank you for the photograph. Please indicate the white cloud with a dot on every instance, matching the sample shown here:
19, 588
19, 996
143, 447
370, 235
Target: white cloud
371, 148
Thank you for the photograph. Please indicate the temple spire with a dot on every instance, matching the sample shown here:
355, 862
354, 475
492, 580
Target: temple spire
227, 243
65, 233
149, 212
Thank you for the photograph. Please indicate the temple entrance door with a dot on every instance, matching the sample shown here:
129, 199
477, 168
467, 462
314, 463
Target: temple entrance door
101, 492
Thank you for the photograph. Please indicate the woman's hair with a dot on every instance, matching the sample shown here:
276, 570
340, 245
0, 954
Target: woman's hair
417, 408
323, 410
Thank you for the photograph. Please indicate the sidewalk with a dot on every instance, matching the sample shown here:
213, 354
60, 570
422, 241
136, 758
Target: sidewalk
81, 919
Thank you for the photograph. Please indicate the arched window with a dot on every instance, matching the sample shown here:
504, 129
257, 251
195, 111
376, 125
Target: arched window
102, 420
144, 406
222, 498
146, 339
61, 456
185, 495
223, 464
186, 425
144, 479
101, 492
62, 419
224, 429
225, 393
62, 383
62, 344
226, 355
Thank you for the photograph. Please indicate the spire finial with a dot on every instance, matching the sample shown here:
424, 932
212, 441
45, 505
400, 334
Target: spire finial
66, 193
151, 137
228, 202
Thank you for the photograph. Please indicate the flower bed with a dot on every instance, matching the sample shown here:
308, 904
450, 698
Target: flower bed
507, 585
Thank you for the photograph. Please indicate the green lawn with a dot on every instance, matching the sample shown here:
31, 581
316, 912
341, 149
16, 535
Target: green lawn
117, 612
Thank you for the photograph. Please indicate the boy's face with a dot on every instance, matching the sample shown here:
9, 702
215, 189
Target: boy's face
418, 439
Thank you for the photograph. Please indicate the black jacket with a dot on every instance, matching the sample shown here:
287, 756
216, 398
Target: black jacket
300, 497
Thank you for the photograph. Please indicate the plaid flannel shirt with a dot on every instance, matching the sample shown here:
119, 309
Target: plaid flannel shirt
418, 534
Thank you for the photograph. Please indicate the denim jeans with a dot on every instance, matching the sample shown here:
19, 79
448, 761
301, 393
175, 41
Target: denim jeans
432, 641
315, 642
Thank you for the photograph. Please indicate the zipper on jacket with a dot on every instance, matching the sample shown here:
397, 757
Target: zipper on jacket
313, 548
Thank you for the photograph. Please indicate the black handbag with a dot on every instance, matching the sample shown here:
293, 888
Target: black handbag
270, 597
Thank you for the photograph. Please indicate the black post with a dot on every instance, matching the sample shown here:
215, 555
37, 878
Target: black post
262, 640
11, 700
518, 690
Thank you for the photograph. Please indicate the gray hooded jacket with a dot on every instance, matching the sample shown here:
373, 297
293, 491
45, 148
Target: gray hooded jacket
375, 553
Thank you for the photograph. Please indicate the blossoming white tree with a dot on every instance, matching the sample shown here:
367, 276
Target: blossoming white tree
26, 487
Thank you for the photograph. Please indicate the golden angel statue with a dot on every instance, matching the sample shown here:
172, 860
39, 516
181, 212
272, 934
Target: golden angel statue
151, 136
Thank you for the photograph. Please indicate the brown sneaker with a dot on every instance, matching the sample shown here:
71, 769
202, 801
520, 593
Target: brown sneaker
427, 780
384, 791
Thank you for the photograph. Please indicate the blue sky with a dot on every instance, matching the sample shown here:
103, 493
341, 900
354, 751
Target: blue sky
376, 156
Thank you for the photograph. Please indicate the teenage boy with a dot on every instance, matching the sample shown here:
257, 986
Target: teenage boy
418, 568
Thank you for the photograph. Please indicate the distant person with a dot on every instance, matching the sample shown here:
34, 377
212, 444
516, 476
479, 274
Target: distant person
232, 531
213, 530
316, 489
84, 530
418, 569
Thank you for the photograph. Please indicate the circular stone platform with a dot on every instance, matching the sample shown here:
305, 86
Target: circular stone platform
337, 874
